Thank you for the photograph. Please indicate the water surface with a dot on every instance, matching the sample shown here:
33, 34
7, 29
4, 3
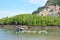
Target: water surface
11, 35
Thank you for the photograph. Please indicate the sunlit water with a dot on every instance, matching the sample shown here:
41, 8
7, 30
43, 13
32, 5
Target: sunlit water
11, 35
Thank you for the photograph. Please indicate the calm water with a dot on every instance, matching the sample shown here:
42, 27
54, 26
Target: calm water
11, 35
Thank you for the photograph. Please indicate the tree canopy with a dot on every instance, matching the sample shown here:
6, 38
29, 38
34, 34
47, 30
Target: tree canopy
31, 20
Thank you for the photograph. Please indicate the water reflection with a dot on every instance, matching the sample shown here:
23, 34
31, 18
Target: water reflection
10, 35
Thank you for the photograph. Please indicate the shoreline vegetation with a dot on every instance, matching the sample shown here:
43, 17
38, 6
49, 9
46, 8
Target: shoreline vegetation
30, 22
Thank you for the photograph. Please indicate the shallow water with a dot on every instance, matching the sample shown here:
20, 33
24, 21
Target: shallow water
11, 35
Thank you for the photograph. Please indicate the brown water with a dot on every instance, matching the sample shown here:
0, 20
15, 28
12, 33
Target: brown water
11, 35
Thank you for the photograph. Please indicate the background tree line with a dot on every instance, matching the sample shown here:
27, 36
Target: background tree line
31, 20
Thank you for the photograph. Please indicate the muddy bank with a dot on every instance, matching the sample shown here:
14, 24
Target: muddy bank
29, 27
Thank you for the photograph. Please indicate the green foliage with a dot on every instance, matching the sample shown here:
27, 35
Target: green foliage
51, 10
59, 14
32, 20
53, 2
38, 10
